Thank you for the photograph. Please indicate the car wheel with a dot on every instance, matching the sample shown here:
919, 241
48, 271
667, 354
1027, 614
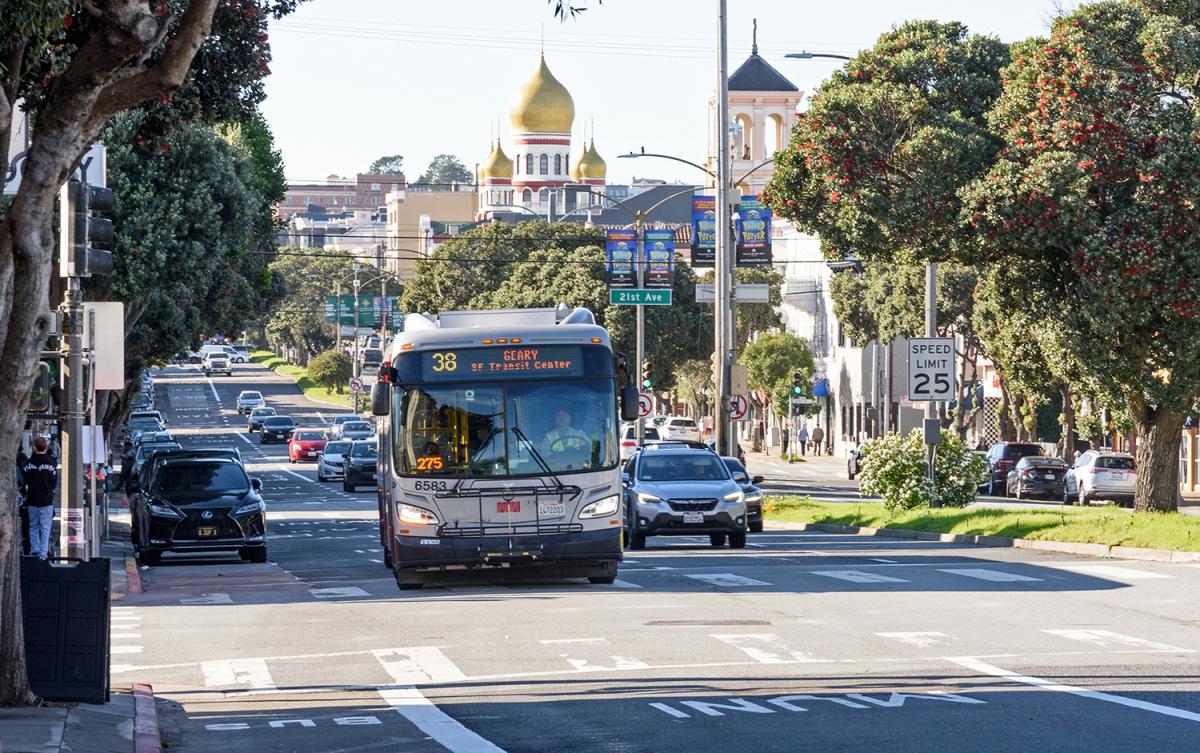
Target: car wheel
850, 472
1081, 499
347, 486
408, 581
1020, 492
756, 527
255, 554
291, 459
637, 542
993, 489
716, 539
151, 557
737, 540
1066, 496
387, 558
320, 476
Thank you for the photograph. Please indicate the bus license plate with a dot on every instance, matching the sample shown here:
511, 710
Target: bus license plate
208, 532
693, 517
552, 509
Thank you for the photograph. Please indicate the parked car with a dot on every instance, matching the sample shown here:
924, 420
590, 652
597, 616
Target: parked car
679, 428
682, 492
254, 422
754, 495
199, 504
356, 430
276, 429
146, 449
1037, 475
1002, 457
217, 362
306, 444
629, 441
158, 458
235, 355
248, 400
139, 414
1099, 474
335, 426
359, 466
329, 464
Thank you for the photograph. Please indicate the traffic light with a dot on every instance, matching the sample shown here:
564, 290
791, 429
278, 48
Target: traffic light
79, 230
39, 394
798, 383
646, 380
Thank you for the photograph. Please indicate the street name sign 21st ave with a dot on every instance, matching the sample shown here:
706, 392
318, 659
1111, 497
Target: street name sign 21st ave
640, 296
931, 368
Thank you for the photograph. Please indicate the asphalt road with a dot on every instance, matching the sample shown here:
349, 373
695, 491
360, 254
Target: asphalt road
799, 642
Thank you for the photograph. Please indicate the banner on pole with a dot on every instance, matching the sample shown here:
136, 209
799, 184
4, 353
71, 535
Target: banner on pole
659, 248
704, 231
620, 250
753, 233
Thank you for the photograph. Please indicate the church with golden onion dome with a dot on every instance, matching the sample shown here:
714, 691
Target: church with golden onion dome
534, 180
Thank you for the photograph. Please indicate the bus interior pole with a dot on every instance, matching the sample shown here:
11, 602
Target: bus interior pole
721, 306
640, 330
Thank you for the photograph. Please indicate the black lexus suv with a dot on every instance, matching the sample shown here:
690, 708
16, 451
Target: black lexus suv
199, 505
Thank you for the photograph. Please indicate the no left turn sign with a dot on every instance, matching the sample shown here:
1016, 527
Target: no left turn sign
645, 405
356, 384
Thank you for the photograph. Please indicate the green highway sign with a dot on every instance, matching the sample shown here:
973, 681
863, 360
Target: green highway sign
637, 296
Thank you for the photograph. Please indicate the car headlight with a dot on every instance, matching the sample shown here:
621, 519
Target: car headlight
416, 516
256, 506
757, 497
601, 508
648, 499
734, 498
163, 511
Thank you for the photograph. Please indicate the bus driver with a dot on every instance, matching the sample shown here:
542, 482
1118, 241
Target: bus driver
564, 437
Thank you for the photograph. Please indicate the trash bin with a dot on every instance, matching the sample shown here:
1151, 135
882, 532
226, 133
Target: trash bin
67, 605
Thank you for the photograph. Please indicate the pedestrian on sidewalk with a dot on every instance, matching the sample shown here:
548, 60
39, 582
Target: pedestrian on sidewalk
22, 508
41, 478
818, 434
784, 442
802, 439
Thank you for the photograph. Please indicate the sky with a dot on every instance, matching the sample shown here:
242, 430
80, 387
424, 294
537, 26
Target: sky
356, 79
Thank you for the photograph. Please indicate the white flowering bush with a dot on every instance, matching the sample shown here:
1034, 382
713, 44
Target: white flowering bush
893, 467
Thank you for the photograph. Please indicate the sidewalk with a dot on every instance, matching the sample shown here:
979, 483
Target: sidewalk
814, 467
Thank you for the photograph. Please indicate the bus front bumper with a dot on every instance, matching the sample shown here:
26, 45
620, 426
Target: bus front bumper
586, 547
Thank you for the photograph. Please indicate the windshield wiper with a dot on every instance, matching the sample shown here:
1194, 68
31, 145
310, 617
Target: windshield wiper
538, 456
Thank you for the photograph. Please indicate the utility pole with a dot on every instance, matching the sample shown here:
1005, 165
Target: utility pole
337, 317
722, 307
354, 367
640, 329
931, 419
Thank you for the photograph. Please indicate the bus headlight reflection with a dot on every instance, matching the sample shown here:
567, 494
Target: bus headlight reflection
416, 516
601, 508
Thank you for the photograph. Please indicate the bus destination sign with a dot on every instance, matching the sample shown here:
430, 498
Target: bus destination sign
516, 361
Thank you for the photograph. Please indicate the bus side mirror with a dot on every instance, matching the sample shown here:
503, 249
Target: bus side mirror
381, 399
629, 403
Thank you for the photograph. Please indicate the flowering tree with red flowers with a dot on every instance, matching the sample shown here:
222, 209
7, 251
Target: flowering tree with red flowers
1093, 197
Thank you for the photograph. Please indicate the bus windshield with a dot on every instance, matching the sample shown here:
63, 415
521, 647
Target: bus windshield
501, 428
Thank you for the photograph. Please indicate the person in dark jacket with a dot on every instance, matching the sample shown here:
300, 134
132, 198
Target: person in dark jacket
24, 511
41, 479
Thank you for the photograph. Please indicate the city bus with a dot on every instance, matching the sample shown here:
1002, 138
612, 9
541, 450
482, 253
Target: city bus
498, 445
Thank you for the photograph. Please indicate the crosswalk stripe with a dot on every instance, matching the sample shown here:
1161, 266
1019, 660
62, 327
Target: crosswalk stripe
249, 672
918, 639
1109, 639
418, 665
1112, 571
763, 647
858, 576
979, 573
207, 599
727, 579
338, 593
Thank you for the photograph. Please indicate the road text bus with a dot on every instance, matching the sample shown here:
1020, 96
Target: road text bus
498, 444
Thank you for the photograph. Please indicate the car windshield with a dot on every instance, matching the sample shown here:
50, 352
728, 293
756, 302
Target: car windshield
141, 424
685, 423
1115, 463
308, 436
194, 478
1018, 451
734, 465
336, 448
363, 450
279, 422
650, 432
509, 429
339, 420
1045, 461
263, 412
252, 396
150, 448
674, 467
356, 426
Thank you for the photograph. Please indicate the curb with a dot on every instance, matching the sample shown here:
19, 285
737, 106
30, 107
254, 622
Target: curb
146, 738
1114, 551
133, 576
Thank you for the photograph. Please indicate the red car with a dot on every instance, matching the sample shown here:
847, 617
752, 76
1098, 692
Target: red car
306, 444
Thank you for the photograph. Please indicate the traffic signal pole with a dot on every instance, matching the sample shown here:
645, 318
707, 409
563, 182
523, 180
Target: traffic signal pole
723, 305
72, 526
640, 326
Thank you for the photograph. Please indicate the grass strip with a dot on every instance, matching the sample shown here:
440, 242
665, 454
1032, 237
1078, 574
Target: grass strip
1112, 526
299, 375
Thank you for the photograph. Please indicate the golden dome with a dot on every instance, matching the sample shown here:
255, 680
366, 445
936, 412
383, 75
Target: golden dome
591, 165
497, 164
574, 173
542, 105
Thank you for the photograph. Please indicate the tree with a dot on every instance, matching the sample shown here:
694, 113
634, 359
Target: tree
694, 383
444, 171
773, 360
391, 164
307, 277
1092, 197
74, 66
331, 369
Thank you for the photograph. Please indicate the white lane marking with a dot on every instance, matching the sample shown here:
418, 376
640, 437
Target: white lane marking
1111, 571
416, 708
322, 417
244, 438
250, 672
207, 599
988, 669
618, 662
556, 641
125, 649
214, 390
337, 593
995, 576
727, 580
758, 646
418, 665
121, 636
881, 559
857, 576
1109, 639
299, 476
624, 584
918, 639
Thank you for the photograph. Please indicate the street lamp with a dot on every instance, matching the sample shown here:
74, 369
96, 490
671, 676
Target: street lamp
806, 55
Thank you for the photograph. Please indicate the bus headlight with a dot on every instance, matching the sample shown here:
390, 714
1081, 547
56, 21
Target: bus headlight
415, 516
601, 508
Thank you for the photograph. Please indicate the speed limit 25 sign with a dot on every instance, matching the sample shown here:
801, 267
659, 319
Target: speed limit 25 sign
931, 368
